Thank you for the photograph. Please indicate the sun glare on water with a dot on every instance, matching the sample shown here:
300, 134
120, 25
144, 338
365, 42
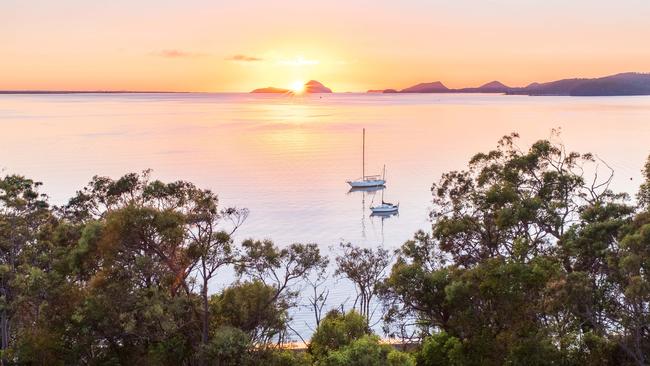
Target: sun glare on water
298, 86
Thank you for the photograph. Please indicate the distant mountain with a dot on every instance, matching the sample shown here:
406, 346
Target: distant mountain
491, 87
629, 83
438, 87
271, 89
494, 87
434, 87
313, 86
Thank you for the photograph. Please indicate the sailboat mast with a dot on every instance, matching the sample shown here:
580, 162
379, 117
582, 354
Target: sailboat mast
363, 156
382, 191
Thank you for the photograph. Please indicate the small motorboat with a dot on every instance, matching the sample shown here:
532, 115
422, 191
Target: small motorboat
366, 181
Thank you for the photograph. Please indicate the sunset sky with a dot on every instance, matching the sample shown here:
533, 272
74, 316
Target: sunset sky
349, 45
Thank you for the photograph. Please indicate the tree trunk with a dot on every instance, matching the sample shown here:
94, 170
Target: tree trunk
4, 336
205, 316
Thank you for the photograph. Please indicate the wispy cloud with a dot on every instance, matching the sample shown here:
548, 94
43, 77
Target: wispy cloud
244, 58
173, 53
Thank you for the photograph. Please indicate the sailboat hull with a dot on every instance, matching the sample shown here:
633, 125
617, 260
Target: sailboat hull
384, 215
367, 183
384, 208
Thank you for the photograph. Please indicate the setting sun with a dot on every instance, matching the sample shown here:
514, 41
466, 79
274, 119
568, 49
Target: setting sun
298, 86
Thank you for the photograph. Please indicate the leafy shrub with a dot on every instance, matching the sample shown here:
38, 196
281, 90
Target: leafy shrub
335, 331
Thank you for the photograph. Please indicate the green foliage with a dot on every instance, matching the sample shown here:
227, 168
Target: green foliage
25, 253
644, 191
335, 331
288, 358
528, 263
398, 358
440, 349
228, 347
367, 351
251, 307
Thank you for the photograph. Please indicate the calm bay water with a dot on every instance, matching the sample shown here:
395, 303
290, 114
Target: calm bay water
287, 158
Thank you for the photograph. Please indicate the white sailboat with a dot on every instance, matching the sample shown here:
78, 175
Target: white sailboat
366, 181
386, 208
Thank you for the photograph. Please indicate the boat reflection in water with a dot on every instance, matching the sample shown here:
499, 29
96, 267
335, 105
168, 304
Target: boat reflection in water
384, 215
380, 214
366, 189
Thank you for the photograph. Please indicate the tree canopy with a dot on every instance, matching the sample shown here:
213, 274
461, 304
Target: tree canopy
532, 259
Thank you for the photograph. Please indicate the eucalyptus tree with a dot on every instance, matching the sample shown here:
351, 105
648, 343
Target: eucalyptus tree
282, 269
523, 261
192, 241
250, 307
336, 331
633, 310
210, 247
24, 212
366, 269
319, 293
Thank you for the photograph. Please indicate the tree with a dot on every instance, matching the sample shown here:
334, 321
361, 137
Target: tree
522, 262
210, 248
201, 250
318, 298
279, 268
228, 347
24, 213
439, 349
367, 351
366, 268
129, 311
634, 281
512, 203
251, 307
337, 330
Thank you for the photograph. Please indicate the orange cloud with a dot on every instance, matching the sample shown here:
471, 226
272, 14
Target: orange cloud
244, 58
172, 53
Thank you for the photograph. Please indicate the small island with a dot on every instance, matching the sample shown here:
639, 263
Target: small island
310, 87
271, 89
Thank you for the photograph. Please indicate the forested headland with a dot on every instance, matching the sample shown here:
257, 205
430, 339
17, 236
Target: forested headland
531, 259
